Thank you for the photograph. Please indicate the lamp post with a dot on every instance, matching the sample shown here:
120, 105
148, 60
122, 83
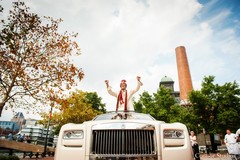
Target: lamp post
46, 138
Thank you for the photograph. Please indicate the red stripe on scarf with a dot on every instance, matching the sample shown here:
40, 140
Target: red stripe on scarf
120, 99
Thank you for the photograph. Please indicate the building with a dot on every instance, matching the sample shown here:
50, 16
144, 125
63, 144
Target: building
8, 126
32, 129
13, 126
37, 132
19, 119
167, 82
28, 127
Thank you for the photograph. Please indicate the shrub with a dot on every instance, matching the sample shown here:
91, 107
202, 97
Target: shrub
5, 157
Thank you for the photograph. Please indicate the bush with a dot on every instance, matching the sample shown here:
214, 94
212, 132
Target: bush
4, 157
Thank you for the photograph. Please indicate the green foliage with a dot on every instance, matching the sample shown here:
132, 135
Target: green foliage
161, 105
92, 98
4, 157
213, 108
216, 107
77, 108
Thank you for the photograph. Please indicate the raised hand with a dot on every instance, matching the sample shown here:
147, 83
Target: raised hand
139, 79
107, 82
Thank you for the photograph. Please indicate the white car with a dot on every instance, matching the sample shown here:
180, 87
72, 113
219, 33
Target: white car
124, 135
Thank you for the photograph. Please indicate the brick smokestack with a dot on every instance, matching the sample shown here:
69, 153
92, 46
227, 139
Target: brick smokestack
184, 76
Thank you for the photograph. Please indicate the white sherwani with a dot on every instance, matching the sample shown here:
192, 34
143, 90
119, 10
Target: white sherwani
231, 143
129, 98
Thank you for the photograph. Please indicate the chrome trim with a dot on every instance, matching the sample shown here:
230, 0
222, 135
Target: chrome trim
123, 125
123, 139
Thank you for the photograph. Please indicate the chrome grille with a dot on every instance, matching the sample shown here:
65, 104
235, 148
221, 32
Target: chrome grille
123, 142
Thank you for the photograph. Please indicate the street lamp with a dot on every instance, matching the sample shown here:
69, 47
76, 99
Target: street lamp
46, 138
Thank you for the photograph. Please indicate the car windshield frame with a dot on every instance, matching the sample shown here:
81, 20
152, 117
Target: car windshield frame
124, 115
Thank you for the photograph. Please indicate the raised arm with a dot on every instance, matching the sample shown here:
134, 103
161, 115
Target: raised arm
139, 84
109, 89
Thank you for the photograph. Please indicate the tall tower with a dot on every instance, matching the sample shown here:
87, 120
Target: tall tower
184, 77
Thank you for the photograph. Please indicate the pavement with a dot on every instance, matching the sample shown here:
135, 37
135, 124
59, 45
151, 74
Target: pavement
45, 158
211, 156
216, 156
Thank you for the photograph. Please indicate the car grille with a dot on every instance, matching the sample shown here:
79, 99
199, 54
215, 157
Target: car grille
123, 142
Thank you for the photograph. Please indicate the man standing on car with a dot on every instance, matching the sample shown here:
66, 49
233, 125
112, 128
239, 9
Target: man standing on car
124, 97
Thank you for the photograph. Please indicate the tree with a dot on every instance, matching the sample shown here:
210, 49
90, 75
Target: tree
160, 105
78, 107
216, 107
93, 99
35, 61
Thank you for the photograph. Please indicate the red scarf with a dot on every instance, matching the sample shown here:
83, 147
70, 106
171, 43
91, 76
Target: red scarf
120, 100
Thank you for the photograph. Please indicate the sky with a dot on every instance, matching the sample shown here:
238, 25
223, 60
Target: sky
122, 39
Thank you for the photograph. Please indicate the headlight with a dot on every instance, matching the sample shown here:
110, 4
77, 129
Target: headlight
173, 134
73, 134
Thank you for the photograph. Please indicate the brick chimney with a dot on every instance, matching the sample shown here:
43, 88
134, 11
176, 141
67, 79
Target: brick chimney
184, 76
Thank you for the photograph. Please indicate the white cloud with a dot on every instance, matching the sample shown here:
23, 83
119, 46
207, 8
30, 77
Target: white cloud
123, 39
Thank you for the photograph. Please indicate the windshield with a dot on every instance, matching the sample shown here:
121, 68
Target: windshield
124, 115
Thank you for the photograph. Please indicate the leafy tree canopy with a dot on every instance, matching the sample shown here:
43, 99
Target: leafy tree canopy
78, 107
35, 61
216, 107
161, 105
